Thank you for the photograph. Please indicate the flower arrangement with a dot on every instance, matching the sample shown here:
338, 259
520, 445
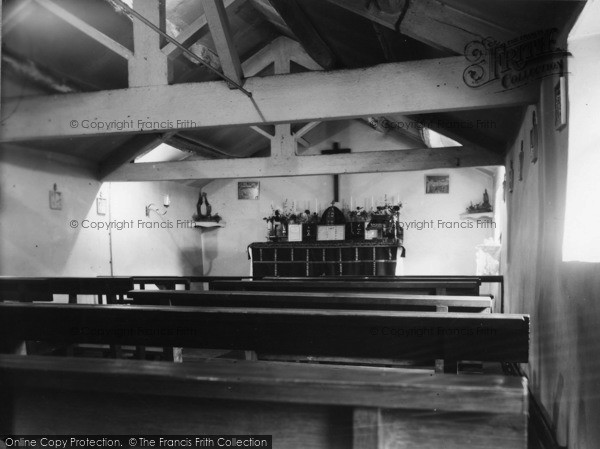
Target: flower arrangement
388, 209
386, 214
484, 206
359, 214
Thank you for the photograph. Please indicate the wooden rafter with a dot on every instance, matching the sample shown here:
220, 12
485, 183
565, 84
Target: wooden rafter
26, 69
190, 34
216, 16
280, 53
149, 66
266, 9
381, 90
401, 125
15, 15
86, 28
289, 165
196, 145
293, 15
371, 11
135, 147
262, 132
474, 139
305, 129
430, 21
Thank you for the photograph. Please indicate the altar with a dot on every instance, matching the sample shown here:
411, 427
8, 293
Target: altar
325, 258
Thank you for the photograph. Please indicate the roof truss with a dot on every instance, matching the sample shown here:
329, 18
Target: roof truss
304, 97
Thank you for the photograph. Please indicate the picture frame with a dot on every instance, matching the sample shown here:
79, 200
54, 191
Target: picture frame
248, 190
560, 104
331, 232
294, 233
101, 206
435, 184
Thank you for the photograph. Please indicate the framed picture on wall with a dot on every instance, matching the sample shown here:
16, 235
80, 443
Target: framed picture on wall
248, 190
560, 104
437, 183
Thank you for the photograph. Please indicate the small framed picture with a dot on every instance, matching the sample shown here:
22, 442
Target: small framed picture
101, 206
248, 190
437, 184
560, 104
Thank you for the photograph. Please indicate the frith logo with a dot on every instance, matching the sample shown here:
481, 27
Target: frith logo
513, 63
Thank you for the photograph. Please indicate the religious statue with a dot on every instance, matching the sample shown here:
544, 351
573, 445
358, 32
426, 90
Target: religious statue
486, 202
484, 206
203, 209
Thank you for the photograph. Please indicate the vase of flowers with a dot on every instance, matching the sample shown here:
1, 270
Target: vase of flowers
386, 220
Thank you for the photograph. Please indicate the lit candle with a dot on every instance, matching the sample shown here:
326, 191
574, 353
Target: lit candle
372, 202
351, 205
316, 205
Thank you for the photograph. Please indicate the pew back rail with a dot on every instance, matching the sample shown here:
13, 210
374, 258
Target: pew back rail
345, 333
301, 406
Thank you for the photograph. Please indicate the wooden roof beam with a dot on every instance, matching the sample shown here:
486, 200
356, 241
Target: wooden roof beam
483, 141
216, 16
293, 15
289, 165
302, 97
430, 21
149, 66
15, 15
87, 29
191, 34
399, 124
133, 148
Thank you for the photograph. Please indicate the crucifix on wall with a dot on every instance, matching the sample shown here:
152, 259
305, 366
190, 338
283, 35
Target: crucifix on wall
336, 149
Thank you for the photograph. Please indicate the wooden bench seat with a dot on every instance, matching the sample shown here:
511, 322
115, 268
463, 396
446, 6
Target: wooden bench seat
309, 300
497, 280
113, 289
424, 287
27, 289
308, 406
345, 333
312, 300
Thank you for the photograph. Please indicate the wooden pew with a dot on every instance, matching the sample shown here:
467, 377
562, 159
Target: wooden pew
29, 289
425, 287
308, 406
162, 282
344, 333
113, 289
312, 300
24, 289
483, 279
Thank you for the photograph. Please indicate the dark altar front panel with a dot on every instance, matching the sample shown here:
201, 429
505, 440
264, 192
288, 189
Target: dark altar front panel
347, 258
